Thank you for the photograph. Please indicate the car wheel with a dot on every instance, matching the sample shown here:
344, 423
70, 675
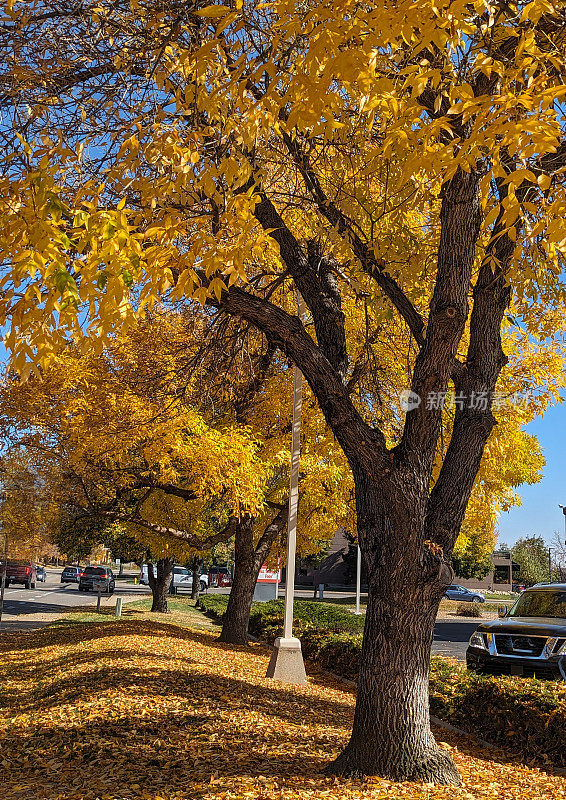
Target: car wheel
203, 586
476, 600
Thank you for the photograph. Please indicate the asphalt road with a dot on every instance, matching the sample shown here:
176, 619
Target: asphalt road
32, 608
451, 638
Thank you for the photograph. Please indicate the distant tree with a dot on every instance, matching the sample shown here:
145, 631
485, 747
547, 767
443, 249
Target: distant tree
558, 546
76, 538
472, 553
531, 553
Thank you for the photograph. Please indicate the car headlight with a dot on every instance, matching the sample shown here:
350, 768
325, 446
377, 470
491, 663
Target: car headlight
477, 640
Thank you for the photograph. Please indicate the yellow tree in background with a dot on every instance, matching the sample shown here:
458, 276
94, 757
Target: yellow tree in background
27, 511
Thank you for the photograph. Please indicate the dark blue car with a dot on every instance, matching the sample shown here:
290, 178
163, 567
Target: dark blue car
456, 592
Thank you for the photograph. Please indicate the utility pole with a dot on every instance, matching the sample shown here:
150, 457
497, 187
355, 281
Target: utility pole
286, 662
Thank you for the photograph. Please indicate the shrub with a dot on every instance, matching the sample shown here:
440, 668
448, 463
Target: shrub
469, 610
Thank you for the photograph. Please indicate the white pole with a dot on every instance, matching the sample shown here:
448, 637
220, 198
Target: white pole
358, 579
286, 663
293, 499
278, 577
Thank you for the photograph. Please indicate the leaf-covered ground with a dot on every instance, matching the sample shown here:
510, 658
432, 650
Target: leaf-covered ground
149, 710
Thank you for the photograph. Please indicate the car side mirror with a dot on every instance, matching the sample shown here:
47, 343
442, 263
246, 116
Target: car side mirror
502, 611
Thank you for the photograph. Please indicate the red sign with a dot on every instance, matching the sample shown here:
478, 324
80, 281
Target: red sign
268, 575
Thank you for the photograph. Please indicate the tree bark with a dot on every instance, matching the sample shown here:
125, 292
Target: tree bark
159, 584
249, 560
237, 616
195, 590
391, 734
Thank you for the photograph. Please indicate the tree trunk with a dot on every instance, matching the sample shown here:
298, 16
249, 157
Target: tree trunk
159, 584
249, 560
391, 734
237, 616
195, 590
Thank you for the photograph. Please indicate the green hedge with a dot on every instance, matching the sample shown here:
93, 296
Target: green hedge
524, 714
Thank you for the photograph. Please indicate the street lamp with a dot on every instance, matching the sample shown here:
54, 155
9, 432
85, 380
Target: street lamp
358, 579
564, 512
286, 662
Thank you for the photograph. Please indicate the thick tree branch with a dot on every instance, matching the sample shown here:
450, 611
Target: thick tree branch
270, 533
460, 219
166, 531
360, 442
313, 280
374, 267
474, 421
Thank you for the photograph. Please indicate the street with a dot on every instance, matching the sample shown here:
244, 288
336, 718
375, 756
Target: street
32, 608
25, 609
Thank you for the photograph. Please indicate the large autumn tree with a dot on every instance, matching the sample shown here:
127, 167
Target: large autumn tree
403, 159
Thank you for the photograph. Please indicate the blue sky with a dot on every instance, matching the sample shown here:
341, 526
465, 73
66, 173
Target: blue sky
539, 513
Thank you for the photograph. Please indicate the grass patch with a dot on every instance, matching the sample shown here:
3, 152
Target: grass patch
182, 612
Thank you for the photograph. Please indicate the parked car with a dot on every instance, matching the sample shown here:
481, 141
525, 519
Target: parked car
19, 571
71, 574
41, 574
93, 576
529, 639
519, 587
456, 592
182, 578
182, 581
219, 576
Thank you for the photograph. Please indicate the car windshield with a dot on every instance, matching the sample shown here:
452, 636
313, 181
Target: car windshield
547, 603
95, 571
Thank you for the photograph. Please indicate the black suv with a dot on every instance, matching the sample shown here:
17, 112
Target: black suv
93, 576
530, 639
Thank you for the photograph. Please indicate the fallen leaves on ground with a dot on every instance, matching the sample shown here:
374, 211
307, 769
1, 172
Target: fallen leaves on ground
150, 711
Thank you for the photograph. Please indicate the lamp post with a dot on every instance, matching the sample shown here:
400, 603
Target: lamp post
358, 579
564, 512
286, 663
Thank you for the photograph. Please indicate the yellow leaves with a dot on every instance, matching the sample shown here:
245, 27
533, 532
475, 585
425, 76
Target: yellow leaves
172, 713
212, 11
